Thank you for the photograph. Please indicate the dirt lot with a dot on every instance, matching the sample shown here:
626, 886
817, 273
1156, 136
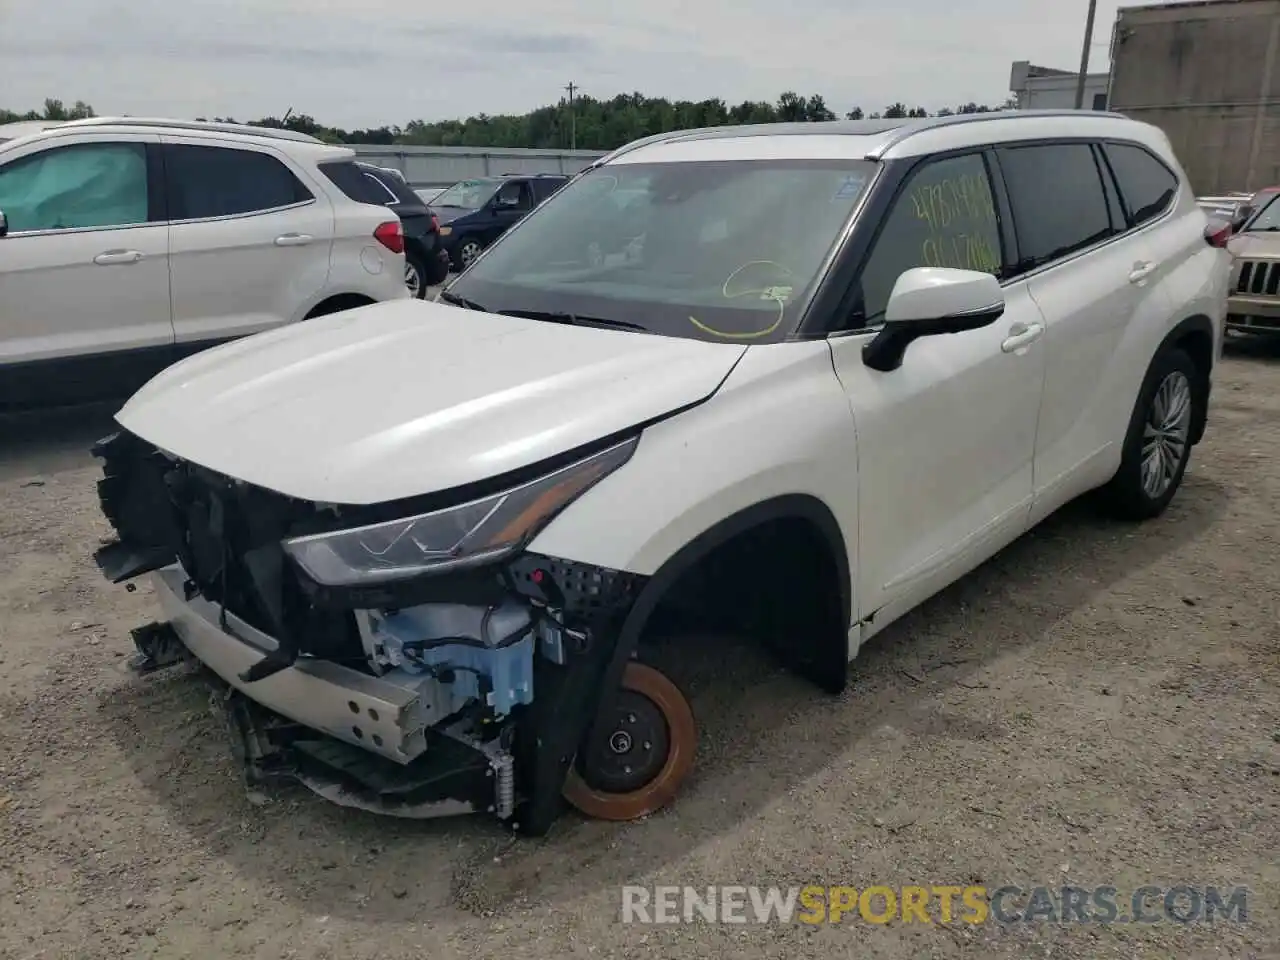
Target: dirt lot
1098, 705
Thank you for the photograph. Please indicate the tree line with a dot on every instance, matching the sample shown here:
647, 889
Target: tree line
587, 123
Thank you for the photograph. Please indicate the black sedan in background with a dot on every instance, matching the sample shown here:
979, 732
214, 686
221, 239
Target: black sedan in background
426, 263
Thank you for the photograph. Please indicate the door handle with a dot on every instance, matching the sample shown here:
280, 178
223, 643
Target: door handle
118, 256
1141, 270
1021, 336
293, 240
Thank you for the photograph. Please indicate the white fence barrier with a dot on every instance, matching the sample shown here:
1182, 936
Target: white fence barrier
1222, 206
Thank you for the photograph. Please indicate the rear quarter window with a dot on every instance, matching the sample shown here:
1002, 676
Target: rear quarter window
354, 183
1147, 186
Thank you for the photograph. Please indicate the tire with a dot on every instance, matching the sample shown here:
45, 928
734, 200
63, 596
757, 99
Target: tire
437, 270
1151, 467
415, 275
654, 715
466, 251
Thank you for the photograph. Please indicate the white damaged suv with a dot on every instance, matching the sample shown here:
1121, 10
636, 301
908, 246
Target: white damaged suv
799, 378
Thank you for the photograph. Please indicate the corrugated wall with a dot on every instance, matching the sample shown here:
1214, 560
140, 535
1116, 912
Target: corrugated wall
442, 166
1207, 74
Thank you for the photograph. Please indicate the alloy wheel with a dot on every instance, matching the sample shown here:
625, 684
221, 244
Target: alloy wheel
1165, 433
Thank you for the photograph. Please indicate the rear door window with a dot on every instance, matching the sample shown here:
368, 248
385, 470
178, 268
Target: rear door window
76, 187
209, 182
1057, 198
1147, 186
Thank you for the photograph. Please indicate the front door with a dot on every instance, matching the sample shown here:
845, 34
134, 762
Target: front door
509, 205
84, 272
945, 442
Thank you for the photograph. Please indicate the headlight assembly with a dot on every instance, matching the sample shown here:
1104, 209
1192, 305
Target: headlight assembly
468, 535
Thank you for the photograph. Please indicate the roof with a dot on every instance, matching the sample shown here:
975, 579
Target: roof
885, 137
211, 126
315, 147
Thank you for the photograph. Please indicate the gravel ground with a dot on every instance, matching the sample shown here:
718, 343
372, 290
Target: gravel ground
1097, 705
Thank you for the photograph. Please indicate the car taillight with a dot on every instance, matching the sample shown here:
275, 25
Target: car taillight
435, 222
1217, 233
390, 235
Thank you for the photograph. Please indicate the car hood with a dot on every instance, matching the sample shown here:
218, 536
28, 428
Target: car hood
450, 214
410, 397
1260, 244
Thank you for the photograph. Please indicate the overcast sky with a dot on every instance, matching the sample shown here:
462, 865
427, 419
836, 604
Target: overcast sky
356, 63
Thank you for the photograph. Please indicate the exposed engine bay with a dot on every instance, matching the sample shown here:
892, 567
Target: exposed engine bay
470, 690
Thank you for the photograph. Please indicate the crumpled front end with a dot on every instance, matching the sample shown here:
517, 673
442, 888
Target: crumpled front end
469, 688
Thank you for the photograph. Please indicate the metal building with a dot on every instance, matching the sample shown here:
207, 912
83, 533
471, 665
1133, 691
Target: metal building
1205, 72
1045, 88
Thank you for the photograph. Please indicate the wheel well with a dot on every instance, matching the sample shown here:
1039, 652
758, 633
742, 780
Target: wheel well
341, 301
1194, 336
776, 582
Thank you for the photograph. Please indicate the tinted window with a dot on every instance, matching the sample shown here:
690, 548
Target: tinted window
354, 183
516, 195
1146, 184
1058, 204
381, 190
84, 185
944, 217
544, 187
222, 182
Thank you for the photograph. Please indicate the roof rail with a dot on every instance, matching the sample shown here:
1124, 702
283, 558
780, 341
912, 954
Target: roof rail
212, 126
932, 123
898, 129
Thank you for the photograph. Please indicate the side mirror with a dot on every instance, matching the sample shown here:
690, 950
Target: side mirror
4, 224
927, 301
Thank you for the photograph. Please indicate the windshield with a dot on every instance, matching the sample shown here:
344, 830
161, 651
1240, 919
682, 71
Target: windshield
713, 250
467, 194
1268, 218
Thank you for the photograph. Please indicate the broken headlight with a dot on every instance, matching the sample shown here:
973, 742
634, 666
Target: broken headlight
468, 535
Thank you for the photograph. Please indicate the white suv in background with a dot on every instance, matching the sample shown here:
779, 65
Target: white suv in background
126, 244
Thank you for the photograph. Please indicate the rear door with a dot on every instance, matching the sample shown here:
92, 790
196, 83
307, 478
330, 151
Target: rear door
249, 238
1092, 278
84, 272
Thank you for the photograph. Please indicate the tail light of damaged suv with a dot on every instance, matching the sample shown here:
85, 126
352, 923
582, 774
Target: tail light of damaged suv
390, 235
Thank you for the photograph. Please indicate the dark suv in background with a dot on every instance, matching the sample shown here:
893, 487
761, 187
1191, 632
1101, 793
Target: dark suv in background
425, 261
474, 213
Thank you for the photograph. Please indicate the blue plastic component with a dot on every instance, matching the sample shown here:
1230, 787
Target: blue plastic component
509, 669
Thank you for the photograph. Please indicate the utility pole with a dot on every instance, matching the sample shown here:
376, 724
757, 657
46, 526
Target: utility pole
573, 117
1084, 53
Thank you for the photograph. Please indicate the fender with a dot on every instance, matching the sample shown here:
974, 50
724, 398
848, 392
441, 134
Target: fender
1196, 335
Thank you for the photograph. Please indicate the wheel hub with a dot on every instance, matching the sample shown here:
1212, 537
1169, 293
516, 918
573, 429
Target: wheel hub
636, 749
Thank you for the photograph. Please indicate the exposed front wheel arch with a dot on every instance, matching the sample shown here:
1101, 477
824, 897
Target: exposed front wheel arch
335, 304
777, 571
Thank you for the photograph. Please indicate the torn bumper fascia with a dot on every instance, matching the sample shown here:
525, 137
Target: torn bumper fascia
373, 713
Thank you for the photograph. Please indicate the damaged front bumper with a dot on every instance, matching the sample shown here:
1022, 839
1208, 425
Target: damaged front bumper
375, 714
348, 698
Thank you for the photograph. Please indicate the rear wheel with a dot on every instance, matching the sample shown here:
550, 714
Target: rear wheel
415, 274
1158, 444
643, 761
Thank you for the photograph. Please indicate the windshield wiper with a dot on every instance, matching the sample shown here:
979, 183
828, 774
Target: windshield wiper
573, 319
458, 301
